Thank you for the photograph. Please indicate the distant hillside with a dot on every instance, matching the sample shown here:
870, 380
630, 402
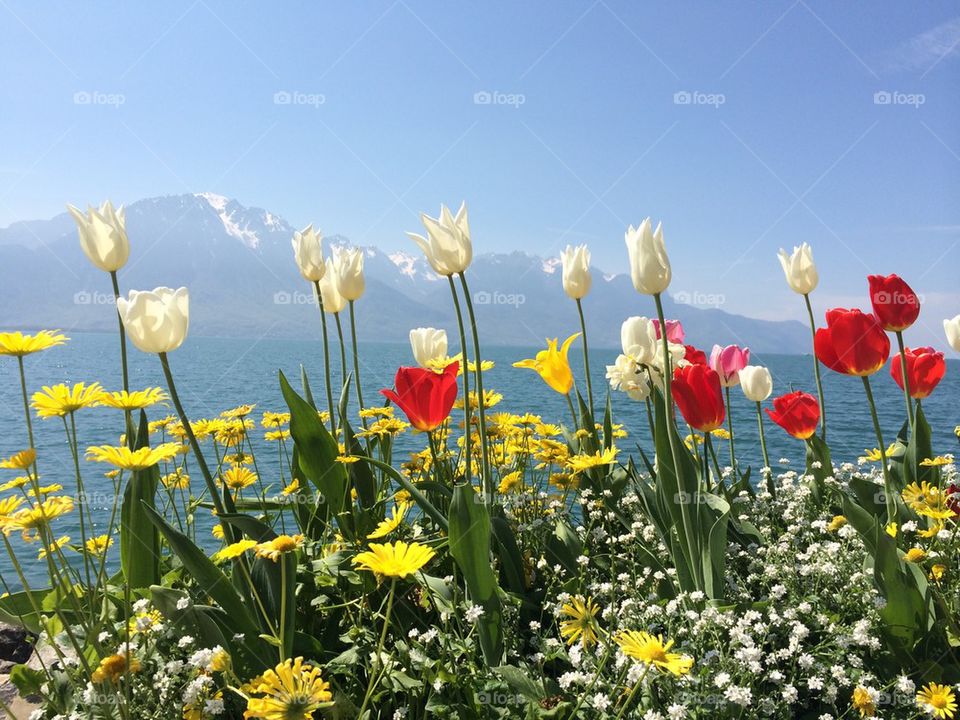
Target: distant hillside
238, 263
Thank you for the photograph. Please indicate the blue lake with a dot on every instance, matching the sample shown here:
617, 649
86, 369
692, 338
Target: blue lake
215, 374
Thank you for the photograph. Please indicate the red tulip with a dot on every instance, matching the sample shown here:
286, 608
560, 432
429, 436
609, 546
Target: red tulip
696, 390
853, 343
895, 303
953, 498
695, 356
925, 368
426, 397
798, 413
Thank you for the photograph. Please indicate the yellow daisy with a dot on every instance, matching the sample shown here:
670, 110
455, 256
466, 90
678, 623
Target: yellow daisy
234, 550
114, 667
17, 344
390, 524
20, 461
273, 549
395, 560
238, 477
293, 690
937, 700
136, 400
579, 463
651, 650
59, 400
582, 624
127, 459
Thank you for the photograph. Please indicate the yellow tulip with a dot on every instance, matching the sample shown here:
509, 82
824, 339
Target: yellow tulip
552, 365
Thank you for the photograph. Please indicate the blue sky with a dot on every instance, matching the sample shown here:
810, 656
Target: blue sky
744, 127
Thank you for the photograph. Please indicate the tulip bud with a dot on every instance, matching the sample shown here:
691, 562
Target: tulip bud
156, 320
429, 346
348, 267
952, 330
895, 304
308, 252
675, 332
103, 235
756, 382
447, 245
649, 264
638, 338
333, 301
799, 269
728, 362
576, 271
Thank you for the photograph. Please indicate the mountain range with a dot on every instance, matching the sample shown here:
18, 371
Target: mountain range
238, 263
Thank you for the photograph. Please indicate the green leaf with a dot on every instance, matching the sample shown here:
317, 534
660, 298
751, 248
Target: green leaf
29, 682
511, 560
428, 507
139, 539
317, 450
207, 576
818, 452
520, 682
469, 542
919, 448
272, 579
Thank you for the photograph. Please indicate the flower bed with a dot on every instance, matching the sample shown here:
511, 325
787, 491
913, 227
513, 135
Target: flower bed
514, 565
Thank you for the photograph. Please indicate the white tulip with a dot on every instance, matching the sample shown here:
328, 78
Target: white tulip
757, 383
156, 320
308, 252
103, 235
429, 346
649, 264
348, 266
677, 354
952, 329
638, 339
333, 301
799, 269
576, 271
447, 246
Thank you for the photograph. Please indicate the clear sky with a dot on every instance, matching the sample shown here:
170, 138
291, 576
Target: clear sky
743, 126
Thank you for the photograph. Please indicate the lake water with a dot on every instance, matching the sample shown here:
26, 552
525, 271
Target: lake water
215, 374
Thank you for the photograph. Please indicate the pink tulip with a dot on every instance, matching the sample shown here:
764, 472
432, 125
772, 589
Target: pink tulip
674, 331
728, 362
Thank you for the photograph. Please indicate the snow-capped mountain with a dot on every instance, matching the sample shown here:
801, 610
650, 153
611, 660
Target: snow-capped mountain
238, 263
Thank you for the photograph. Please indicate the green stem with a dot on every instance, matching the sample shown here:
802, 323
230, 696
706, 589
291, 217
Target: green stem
481, 405
733, 454
586, 355
626, 703
283, 607
887, 481
906, 379
573, 412
127, 415
816, 369
195, 446
693, 557
466, 378
81, 498
356, 363
343, 352
326, 361
26, 402
771, 486
383, 638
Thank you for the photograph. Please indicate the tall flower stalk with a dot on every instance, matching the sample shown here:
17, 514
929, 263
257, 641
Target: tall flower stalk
326, 360
481, 409
468, 435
